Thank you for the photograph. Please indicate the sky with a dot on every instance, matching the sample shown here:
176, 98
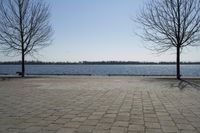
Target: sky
99, 30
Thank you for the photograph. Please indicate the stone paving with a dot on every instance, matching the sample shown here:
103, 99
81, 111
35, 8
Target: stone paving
81, 104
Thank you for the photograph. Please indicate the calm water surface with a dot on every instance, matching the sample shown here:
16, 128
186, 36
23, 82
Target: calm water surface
186, 70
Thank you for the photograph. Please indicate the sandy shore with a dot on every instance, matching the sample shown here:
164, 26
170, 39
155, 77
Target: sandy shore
99, 104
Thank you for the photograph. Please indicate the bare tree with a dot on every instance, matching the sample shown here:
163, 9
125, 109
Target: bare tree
24, 27
171, 24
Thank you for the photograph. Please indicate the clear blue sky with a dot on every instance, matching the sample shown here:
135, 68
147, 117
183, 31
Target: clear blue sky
96, 30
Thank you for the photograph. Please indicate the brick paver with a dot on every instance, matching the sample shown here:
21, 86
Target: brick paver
99, 105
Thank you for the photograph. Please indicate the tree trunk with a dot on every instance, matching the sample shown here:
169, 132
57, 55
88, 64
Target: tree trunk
23, 64
178, 76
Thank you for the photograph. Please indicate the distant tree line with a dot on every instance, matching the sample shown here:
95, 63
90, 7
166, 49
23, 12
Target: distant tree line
94, 63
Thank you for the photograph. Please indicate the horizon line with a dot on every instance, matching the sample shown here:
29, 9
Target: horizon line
99, 62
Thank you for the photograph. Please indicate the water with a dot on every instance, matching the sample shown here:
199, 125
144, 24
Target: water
186, 70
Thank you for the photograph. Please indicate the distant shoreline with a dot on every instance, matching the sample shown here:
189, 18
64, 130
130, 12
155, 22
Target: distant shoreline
98, 63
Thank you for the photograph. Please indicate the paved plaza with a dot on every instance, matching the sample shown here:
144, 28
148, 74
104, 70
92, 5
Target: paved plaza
92, 104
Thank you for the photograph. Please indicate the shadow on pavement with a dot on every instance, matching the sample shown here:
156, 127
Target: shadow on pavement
184, 83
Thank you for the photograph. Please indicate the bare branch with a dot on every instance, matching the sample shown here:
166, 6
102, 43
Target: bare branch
170, 23
24, 25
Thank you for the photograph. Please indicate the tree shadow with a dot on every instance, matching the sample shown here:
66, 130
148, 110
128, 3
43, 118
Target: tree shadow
183, 83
